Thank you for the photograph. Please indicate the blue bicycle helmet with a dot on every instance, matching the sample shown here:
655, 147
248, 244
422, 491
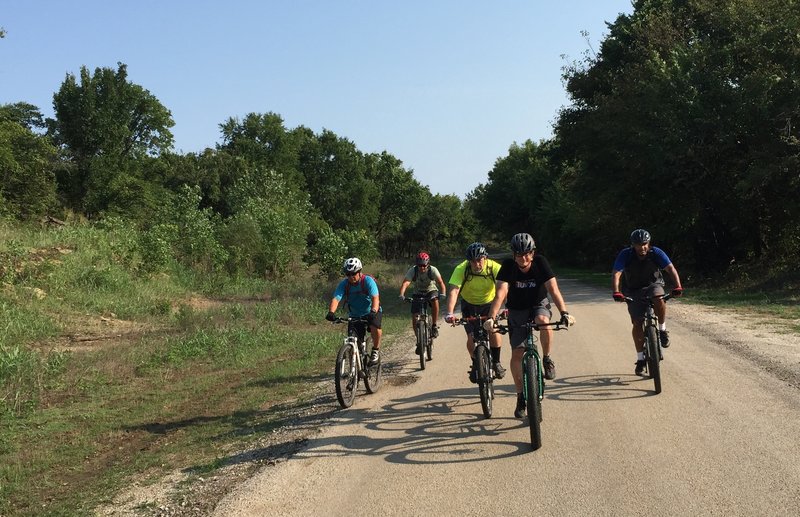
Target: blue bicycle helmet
476, 250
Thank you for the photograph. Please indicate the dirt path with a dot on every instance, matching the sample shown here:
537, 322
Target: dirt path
730, 382
720, 439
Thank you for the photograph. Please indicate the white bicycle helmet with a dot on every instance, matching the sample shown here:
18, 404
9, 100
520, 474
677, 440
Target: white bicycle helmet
351, 265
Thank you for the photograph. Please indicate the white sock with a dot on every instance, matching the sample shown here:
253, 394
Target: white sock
640, 356
662, 326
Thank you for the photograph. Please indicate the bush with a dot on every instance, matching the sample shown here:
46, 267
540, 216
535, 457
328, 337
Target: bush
327, 252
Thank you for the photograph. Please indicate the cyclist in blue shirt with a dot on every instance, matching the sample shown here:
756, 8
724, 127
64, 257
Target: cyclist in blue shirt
360, 292
642, 263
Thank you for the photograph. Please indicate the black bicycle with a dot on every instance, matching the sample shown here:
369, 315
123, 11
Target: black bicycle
423, 326
481, 361
533, 377
352, 362
652, 340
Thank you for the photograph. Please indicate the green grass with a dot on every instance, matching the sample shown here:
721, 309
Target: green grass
197, 365
210, 365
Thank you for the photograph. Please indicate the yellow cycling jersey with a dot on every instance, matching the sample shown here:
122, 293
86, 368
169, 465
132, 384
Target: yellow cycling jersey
480, 287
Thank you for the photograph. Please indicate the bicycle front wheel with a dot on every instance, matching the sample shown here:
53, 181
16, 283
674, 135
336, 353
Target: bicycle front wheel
429, 341
653, 358
346, 375
422, 341
485, 385
373, 375
530, 375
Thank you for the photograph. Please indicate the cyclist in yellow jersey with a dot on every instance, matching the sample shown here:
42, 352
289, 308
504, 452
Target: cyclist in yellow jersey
474, 280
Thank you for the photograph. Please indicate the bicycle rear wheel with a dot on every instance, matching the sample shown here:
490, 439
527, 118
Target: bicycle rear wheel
653, 358
346, 375
485, 386
533, 404
429, 346
422, 340
373, 375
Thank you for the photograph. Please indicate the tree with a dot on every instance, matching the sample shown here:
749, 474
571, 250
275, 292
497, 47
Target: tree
27, 161
684, 123
106, 115
334, 172
263, 141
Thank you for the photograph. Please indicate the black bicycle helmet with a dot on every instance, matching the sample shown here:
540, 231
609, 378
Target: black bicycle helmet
522, 243
476, 250
640, 236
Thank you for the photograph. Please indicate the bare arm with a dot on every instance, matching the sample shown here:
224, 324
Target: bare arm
404, 286
500, 296
555, 294
452, 297
615, 278
673, 273
334, 305
440, 284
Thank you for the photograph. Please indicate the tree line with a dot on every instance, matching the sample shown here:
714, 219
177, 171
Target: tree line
263, 201
683, 122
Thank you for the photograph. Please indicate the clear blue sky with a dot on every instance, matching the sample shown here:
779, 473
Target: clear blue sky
446, 86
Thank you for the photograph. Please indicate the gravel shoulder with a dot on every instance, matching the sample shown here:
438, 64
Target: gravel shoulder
769, 345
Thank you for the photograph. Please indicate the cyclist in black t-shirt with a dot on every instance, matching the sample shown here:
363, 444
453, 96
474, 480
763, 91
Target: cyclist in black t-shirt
524, 283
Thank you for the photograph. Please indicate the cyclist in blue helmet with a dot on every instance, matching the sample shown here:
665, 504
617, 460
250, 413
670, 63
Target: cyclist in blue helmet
641, 264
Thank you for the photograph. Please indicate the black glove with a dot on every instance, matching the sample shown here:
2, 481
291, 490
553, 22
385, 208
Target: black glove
371, 316
330, 316
566, 319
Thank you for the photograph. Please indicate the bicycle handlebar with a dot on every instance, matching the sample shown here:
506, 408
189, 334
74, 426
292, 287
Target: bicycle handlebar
349, 319
556, 325
649, 299
469, 319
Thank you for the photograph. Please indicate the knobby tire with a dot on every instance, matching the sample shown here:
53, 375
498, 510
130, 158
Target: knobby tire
485, 386
653, 358
533, 404
422, 339
346, 375
429, 346
373, 374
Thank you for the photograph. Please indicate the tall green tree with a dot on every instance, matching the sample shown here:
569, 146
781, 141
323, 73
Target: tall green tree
334, 171
685, 123
105, 115
263, 141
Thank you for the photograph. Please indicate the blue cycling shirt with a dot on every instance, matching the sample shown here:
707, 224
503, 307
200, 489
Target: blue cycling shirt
360, 295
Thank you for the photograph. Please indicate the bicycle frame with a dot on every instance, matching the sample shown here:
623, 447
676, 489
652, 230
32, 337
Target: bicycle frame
481, 361
352, 362
652, 339
422, 319
533, 389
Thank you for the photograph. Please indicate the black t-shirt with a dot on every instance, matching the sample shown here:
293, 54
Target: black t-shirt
525, 290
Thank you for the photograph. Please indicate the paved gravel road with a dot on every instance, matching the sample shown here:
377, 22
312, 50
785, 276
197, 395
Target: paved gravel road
721, 439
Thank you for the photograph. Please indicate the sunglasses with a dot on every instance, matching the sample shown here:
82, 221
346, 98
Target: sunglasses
351, 274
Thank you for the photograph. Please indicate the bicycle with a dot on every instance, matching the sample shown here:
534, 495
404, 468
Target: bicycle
652, 340
422, 327
532, 377
481, 361
352, 362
